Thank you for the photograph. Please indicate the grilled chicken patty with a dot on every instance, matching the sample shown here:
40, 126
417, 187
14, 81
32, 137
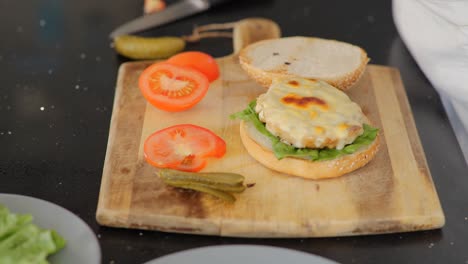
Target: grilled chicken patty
310, 113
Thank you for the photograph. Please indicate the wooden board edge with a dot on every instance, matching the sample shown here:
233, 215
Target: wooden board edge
410, 122
416, 141
413, 134
105, 180
105, 198
244, 229
166, 223
114, 219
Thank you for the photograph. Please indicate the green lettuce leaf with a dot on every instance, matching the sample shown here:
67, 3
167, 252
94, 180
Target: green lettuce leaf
283, 150
23, 242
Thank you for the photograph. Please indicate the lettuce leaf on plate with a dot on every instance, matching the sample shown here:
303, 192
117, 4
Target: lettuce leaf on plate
282, 150
23, 242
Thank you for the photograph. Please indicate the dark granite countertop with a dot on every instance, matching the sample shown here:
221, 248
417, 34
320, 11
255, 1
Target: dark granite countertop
58, 74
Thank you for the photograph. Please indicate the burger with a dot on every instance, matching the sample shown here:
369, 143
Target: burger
307, 128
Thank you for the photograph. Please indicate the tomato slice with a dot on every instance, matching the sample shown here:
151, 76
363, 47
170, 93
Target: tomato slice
183, 147
172, 88
197, 60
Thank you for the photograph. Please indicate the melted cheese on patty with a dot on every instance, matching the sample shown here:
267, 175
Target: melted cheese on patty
309, 113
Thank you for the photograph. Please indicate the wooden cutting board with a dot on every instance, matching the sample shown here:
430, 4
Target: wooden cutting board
393, 193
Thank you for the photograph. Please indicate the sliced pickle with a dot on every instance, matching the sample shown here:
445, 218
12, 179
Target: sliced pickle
238, 188
197, 187
202, 177
139, 48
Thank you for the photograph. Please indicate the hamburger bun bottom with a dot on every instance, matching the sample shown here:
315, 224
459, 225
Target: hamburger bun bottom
315, 170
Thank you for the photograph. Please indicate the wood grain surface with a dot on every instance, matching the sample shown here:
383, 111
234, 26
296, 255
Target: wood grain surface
393, 193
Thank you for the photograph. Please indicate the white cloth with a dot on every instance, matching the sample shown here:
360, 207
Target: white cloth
436, 34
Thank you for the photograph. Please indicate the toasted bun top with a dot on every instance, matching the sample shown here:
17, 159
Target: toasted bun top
338, 63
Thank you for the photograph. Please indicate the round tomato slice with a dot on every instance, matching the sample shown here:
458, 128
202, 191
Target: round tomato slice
171, 87
183, 147
199, 61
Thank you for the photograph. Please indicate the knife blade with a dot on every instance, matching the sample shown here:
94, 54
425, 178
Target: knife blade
172, 13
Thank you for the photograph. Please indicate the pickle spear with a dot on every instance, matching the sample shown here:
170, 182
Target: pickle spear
218, 184
139, 48
238, 188
220, 194
202, 177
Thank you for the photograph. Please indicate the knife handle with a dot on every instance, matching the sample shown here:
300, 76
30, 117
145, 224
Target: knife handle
216, 2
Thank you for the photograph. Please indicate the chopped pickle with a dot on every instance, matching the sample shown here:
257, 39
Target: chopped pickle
140, 48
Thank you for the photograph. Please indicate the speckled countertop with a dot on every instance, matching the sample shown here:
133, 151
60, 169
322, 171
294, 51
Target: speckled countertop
58, 73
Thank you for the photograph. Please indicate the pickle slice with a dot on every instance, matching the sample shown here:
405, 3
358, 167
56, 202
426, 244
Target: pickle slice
135, 47
197, 187
202, 177
238, 188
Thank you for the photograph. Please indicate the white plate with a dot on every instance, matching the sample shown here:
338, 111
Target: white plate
241, 254
82, 245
